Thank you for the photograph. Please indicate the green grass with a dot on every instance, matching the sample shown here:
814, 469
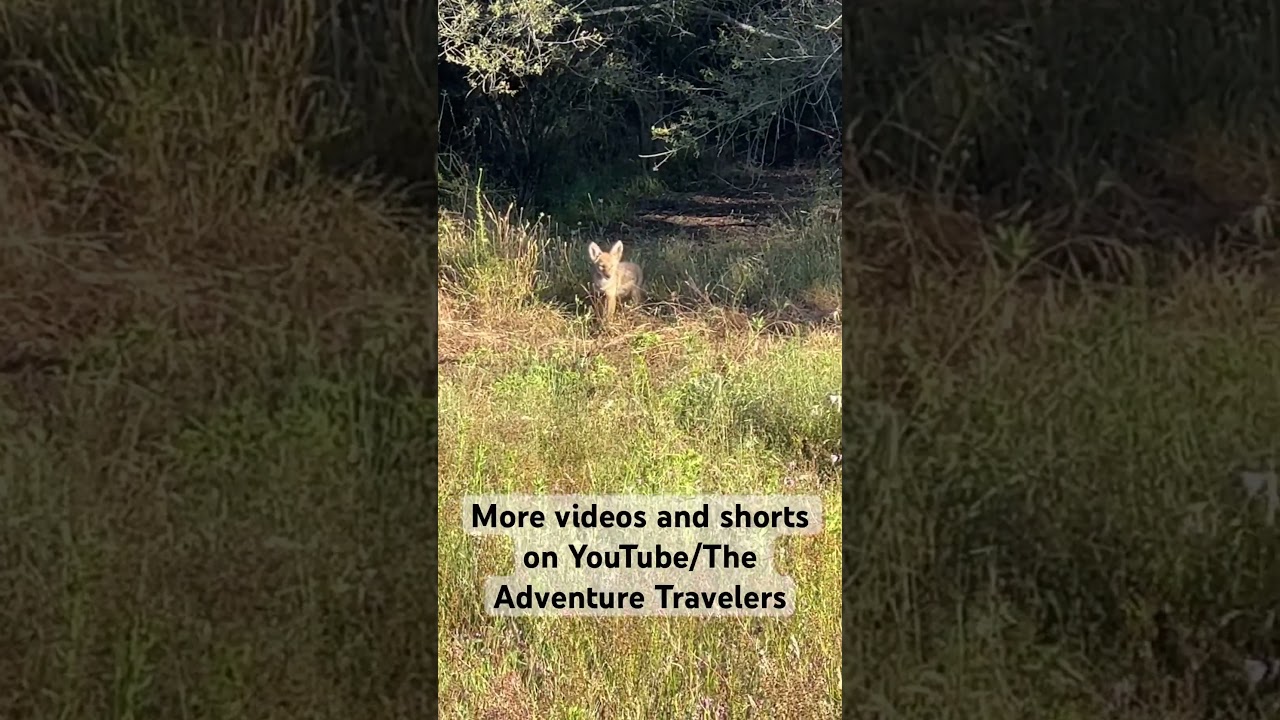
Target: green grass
1036, 474
229, 525
217, 425
1045, 499
533, 398
495, 256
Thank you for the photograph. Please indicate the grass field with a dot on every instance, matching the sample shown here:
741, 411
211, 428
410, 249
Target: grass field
1052, 518
214, 474
714, 391
1061, 494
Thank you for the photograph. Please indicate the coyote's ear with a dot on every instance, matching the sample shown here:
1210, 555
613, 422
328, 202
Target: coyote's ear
616, 250
594, 251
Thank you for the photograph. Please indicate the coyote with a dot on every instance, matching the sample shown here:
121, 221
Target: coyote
612, 279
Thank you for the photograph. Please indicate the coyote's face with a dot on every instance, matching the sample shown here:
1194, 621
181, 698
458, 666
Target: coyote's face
605, 264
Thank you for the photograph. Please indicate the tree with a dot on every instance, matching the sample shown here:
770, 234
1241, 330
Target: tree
697, 76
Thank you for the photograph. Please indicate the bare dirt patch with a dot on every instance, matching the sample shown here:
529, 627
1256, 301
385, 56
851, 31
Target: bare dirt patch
738, 201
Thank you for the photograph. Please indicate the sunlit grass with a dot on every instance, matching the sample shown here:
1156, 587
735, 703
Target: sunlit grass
673, 403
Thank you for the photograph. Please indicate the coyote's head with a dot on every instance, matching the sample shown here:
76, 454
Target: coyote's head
605, 263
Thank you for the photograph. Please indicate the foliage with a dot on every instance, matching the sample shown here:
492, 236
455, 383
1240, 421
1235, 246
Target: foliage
541, 88
1060, 336
215, 422
1151, 122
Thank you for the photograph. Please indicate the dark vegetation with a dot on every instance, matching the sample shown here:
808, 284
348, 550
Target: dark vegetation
217, 353
558, 102
1061, 414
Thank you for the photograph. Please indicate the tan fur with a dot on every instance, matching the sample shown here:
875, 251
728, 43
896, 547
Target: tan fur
613, 280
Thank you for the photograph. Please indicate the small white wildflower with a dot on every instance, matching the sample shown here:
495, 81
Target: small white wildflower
1255, 671
1254, 482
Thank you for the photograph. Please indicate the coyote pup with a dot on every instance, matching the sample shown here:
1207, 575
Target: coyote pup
614, 279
